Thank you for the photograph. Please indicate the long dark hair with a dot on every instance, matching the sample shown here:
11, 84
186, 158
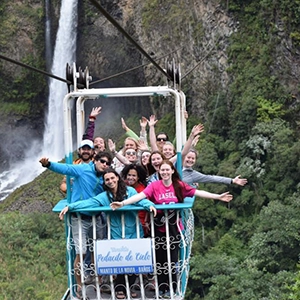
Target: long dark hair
121, 190
141, 172
150, 168
176, 181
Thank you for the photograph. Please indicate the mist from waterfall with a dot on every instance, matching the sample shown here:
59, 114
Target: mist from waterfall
52, 145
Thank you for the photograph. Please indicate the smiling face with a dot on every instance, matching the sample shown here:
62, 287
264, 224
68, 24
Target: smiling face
129, 144
102, 164
131, 155
99, 144
156, 159
86, 153
161, 140
166, 172
189, 160
111, 181
145, 158
168, 150
132, 177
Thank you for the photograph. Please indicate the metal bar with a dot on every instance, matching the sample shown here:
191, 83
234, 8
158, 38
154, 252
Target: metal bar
80, 118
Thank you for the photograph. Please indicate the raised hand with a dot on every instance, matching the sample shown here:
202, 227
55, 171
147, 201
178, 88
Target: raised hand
142, 145
124, 126
95, 111
143, 122
195, 140
111, 145
186, 115
197, 129
152, 121
44, 162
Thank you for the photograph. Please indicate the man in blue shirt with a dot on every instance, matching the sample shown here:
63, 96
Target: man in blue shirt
87, 182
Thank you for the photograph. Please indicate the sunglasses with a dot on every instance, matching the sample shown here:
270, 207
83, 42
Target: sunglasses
161, 139
103, 161
130, 153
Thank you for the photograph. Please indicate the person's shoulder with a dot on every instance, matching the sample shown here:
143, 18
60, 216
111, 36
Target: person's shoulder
186, 186
183, 184
88, 166
189, 169
131, 190
155, 183
102, 198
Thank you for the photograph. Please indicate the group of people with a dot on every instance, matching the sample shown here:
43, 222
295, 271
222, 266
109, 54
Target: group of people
137, 174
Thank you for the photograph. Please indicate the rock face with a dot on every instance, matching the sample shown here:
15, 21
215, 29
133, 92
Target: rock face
25, 207
196, 34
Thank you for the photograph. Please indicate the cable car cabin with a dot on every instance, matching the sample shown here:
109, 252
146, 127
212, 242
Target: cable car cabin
150, 266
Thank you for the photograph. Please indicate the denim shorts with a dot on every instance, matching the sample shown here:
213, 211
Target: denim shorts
87, 232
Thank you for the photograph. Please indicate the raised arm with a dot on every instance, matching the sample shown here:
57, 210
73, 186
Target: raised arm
129, 132
62, 168
197, 129
45, 162
152, 137
226, 197
89, 132
119, 156
143, 132
133, 199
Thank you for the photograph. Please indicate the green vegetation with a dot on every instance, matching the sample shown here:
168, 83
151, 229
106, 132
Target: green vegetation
20, 92
248, 249
32, 251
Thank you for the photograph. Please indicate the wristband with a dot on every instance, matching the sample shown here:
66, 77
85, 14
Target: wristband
92, 117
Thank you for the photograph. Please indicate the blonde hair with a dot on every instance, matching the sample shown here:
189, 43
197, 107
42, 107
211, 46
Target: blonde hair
135, 143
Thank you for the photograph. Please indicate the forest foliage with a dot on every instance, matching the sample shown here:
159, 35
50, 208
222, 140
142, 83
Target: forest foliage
248, 249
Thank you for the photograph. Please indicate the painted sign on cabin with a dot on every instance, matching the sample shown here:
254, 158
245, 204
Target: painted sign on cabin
124, 256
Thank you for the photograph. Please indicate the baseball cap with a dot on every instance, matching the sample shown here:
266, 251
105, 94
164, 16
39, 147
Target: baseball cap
86, 143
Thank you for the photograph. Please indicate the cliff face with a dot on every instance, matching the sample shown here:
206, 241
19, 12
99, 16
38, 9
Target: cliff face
196, 34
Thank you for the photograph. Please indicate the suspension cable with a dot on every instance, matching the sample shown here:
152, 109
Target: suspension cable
132, 69
127, 35
34, 69
192, 69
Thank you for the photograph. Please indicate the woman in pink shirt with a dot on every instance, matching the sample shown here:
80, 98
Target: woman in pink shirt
170, 189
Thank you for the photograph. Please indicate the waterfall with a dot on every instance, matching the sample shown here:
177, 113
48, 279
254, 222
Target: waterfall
53, 144
48, 47
64, 52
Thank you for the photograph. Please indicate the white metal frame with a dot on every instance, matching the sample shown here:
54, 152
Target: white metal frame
80, 96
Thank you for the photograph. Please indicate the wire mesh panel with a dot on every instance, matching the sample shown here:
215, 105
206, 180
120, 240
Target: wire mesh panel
102, 265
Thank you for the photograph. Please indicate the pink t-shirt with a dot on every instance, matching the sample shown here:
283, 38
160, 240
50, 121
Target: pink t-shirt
160, 194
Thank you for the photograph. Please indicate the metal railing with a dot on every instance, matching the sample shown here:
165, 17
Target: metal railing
168, 237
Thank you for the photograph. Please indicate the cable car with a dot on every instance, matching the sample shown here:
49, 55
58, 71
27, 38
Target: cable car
137, 260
